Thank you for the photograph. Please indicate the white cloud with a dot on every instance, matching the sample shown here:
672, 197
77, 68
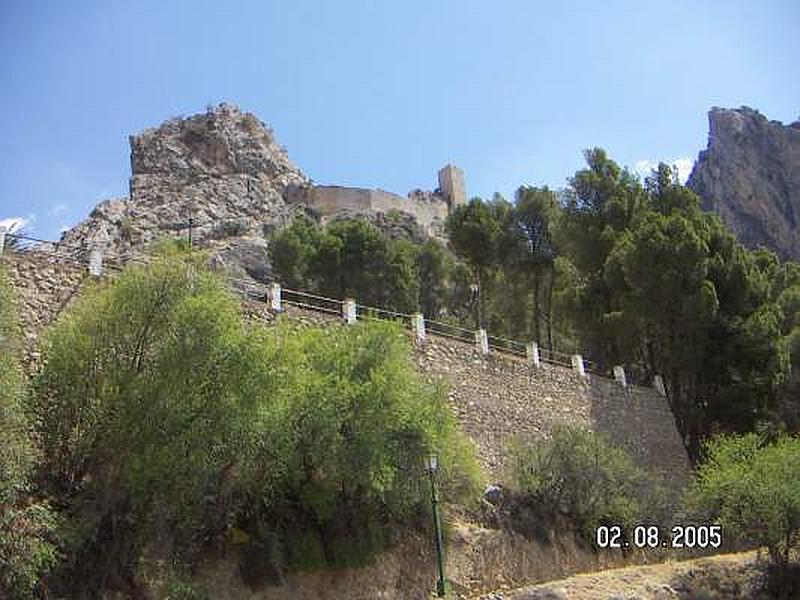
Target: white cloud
683, 165
14, 223
57, 209
643, 167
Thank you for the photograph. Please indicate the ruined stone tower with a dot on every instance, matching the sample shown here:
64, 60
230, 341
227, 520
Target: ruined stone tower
451, 184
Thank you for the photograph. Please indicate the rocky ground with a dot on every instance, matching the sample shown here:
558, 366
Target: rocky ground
722, 577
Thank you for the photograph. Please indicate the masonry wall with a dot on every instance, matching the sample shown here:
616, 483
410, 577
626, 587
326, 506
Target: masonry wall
499, 397
428, 210
494, 397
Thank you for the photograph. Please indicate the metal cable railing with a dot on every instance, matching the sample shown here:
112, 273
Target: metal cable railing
315, 302
371, 313
450, 331
311, 301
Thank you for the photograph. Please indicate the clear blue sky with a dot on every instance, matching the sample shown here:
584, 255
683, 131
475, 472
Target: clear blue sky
379, 94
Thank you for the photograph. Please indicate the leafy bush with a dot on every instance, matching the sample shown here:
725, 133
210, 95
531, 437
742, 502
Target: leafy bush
165, 422
143, 406
27, 548
228, 228
751, 489
126, 230
580, 473
344, 444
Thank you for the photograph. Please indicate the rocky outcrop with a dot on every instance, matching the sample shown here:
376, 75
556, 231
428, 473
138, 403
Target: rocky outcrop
750, 176
220, 174
221, 178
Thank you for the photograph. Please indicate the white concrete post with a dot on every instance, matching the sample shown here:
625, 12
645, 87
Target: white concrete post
577, 365
619, 376
96, 261
275, 297
658, 383
3, 232
418, 324
482, 341
349, 311
533, 355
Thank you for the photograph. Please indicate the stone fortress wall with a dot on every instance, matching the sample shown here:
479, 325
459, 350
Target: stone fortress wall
494, 396
429, 209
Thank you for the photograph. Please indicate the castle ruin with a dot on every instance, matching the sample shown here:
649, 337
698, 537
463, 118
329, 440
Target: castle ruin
429, 208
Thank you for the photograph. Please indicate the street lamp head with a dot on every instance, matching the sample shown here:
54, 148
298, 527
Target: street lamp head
433, 463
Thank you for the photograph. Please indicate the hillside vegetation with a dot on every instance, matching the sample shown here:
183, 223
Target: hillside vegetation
165, 426
623, 271
161, 426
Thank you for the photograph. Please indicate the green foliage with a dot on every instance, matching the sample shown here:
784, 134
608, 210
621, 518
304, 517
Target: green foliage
28, 547
292, 250
433, 267
178, 589
164, 421
348, 433
581, 474
27, 526
143, 401
348, 258
662, 287
228, 228
18, 453
750, 488
474, 233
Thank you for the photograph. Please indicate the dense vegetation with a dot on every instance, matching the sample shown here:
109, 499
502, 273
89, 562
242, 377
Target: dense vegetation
579, 473
160, 424
166, 425
27, 525
748, 485
629, 272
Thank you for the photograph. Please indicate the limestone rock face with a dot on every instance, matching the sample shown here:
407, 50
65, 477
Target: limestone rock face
222, 176
750, 176
223, 170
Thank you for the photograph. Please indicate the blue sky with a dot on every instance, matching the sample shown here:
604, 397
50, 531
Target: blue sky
379, 94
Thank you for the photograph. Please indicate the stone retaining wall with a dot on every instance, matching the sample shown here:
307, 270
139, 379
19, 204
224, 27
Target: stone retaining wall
495, 397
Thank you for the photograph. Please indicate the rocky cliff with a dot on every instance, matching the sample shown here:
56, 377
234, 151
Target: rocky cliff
222, 177
750, 176
220, 173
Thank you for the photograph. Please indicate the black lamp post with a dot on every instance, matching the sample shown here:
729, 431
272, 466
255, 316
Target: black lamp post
433, 466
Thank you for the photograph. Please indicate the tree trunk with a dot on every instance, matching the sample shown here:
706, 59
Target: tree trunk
551, 284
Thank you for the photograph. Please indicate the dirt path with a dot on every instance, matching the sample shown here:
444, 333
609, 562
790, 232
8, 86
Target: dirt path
722, 577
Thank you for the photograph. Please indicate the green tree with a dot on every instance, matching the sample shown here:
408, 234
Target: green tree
433, 269
665, 288
145, 399
292, 249
27, 525
600, 204
348, 433
347, 258
527, 254
750, 488
580, 473
474, 231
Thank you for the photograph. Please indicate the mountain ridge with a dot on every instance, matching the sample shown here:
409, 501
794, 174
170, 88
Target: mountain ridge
749, 175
